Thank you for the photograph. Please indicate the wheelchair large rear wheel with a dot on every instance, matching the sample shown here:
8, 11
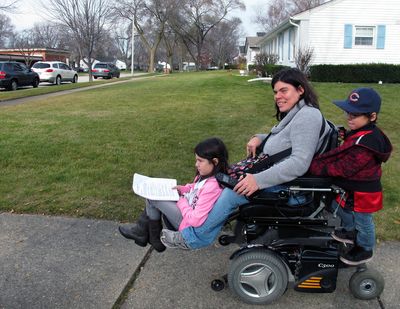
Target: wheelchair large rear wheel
366, 284
258, 276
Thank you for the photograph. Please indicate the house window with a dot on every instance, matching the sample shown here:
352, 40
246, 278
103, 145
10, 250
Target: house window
364, 36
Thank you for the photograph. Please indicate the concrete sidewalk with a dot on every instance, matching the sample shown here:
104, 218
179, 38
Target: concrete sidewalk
56, 262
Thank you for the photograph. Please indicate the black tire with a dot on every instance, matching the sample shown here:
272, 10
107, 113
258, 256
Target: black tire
58, 80
366, 284
75, 79
95, 77
35, 83
258, 277
224, 240
13, 85
217, 285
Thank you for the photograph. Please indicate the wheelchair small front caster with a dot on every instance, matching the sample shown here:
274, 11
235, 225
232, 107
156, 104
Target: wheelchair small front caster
217, 285
366, 283
225, 240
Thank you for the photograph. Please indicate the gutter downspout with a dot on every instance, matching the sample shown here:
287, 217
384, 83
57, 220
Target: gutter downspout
297, 36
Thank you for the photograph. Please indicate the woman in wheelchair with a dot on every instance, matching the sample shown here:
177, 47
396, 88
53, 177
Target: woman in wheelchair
301, 127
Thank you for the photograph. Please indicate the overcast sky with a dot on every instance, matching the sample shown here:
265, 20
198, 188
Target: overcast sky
31, 11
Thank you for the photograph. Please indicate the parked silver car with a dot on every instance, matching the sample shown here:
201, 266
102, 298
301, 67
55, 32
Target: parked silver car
55, 72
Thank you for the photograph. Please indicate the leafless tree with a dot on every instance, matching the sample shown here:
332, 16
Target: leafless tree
279, 10
194, 19
6, 30
122, 36
264, 59
25, 45
50, 35
149, 18
303, 5
171, 43
303, 59
86, 19
8, 5
222, 42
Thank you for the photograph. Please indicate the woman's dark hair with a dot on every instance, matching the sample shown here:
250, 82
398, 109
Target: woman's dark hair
214, 148
296, 78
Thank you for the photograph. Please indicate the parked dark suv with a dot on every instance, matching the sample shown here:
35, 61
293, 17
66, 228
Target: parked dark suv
105, 70
16, 74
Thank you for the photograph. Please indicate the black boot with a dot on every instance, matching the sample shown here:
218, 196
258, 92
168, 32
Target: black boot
139, 232
155, 227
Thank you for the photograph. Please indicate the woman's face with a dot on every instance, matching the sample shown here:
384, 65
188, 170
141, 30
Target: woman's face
286, 96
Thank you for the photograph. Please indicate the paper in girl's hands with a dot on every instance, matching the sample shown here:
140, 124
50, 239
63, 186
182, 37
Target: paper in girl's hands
159, 189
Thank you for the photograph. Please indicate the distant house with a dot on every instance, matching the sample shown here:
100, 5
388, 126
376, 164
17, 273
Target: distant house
84, 66
340, 32
252, 47
35, 54
120, 64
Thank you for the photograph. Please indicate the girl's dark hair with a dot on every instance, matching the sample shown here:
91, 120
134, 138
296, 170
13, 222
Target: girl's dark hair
214, 148
296, 78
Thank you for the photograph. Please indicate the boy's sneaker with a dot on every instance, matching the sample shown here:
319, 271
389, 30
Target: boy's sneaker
172, 239
344, 236
357, 255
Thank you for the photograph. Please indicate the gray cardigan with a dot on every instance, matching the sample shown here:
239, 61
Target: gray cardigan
300, 130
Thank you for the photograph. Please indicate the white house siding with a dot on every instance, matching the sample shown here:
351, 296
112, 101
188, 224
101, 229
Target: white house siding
322, 28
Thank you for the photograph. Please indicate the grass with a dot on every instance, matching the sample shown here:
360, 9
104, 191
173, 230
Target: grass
75, 155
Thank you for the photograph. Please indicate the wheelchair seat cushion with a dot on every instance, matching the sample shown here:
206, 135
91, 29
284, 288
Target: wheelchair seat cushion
257, 210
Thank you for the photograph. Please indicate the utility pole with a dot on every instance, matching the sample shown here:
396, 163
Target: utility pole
133, 47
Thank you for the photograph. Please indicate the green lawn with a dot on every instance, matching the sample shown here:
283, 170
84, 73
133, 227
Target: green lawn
75, 155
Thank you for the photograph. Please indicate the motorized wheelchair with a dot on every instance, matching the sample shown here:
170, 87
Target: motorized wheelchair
282, 245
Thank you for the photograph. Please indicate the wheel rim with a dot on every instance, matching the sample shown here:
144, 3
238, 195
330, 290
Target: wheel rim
367, 287
14, 85
257, 280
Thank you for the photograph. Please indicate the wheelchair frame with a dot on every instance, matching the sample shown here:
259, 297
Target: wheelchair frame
281, 244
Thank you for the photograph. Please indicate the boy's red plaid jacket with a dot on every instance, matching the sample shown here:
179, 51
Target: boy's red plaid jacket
356, 167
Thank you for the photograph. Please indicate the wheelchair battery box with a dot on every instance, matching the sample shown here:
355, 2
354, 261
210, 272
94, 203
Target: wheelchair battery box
316, 271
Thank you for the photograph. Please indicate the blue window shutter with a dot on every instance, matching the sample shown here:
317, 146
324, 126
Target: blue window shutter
380, 43
348, 36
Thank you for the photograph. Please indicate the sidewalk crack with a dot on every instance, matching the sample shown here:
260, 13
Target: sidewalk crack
124, 294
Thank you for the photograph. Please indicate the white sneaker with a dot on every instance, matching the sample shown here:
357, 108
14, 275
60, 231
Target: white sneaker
172, 239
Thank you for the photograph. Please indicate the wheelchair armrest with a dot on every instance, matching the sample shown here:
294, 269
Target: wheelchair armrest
311, 182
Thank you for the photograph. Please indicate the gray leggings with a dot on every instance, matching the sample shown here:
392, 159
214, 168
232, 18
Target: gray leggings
168, 208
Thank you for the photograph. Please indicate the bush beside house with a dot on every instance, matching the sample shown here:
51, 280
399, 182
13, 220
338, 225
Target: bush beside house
356, 73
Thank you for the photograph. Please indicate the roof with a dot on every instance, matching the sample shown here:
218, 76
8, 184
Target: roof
253, 41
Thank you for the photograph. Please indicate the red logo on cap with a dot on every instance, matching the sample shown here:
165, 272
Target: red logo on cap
354, 97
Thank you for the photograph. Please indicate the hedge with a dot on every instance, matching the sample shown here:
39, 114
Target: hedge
356, 73
268, 69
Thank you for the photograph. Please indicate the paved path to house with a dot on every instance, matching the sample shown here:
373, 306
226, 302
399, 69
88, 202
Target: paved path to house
58, 262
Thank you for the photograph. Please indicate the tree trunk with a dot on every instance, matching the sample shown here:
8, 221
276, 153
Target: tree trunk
151, 60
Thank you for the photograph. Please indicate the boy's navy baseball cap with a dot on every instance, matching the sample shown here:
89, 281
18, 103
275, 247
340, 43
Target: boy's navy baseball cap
361, 101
